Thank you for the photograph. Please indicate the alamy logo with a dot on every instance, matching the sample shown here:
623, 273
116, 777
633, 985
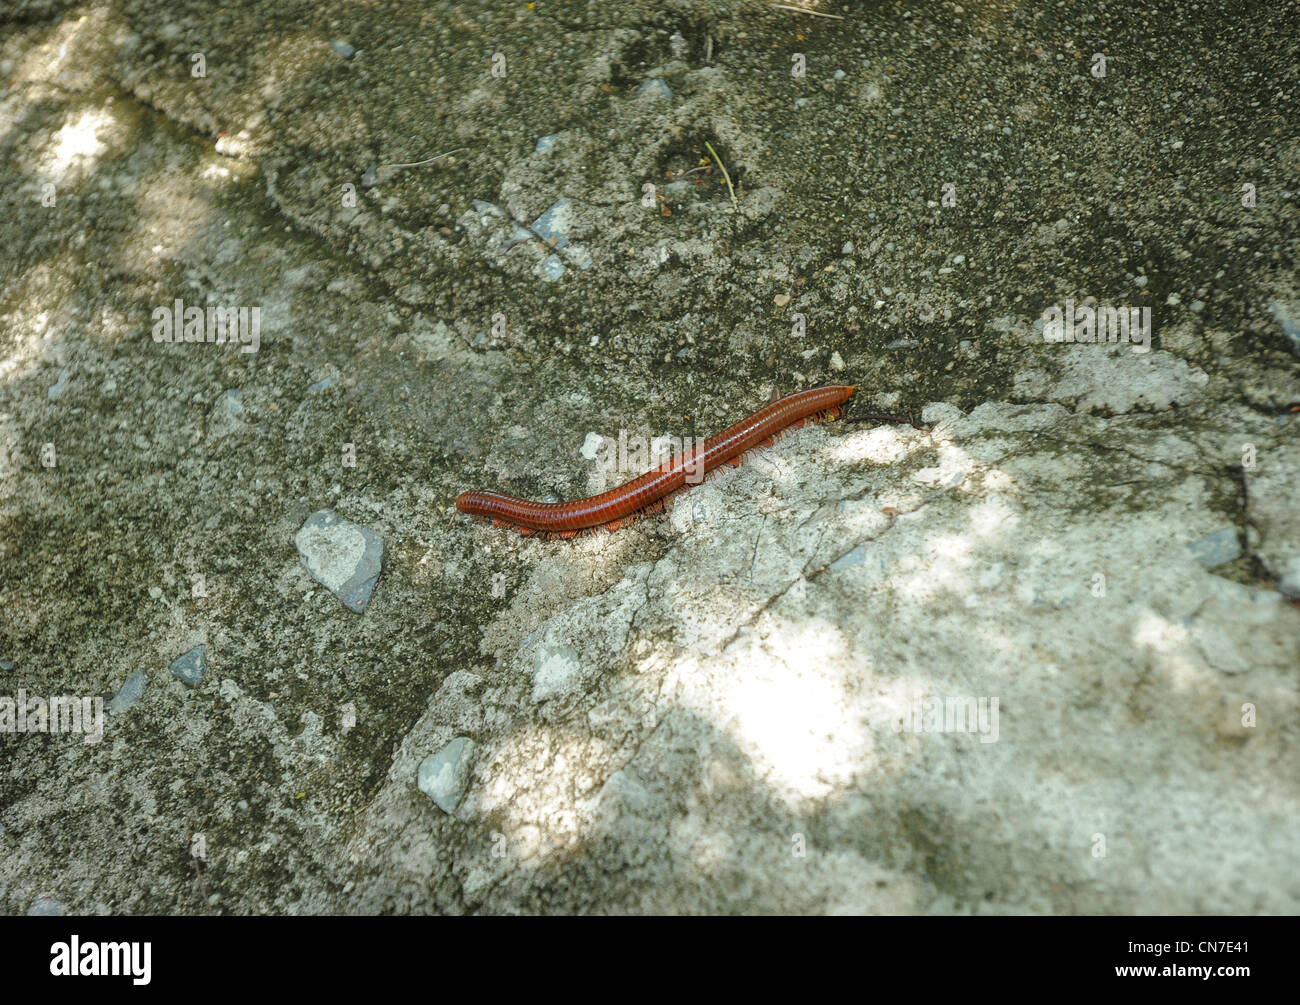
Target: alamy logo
953, 715
102, 959
1100, 324
637, 454
60, 714
241, 326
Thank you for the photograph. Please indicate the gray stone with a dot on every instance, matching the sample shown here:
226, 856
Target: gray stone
1217, 548
1288, 317
342, 48
487, 208
189, 669
518, 235
130, 692
228, 414
556, 224
56, 389
342, 556
1289, 582
444, 776
45, 907
552, 267
855, 557
655, 88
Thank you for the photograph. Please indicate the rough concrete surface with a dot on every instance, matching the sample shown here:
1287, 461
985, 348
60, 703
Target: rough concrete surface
1036, 652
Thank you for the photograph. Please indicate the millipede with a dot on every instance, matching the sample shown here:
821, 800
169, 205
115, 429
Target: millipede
648, 492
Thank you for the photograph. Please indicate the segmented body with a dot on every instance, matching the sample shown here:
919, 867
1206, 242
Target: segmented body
614, 508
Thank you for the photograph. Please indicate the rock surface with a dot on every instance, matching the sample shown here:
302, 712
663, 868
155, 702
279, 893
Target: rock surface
1039, 657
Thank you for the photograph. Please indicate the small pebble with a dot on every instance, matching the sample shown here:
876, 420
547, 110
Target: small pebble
552, 268
555, 225
1287, 316
344, 557
1288, 584
131, 692
444, 776
655, 88
55, 391
189, 669
856, 556
1217, 548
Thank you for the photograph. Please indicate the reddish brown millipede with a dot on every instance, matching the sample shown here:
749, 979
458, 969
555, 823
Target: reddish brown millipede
617, 507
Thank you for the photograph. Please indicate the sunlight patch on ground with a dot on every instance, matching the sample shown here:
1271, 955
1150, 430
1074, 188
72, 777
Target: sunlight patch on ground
215, 172
993, 516
76, 143
882, 445
539, 786
60, 47
1170, 647
788, 709
30, 327
944, 566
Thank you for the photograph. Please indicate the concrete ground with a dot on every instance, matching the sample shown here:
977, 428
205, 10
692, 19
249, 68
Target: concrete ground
1036, 654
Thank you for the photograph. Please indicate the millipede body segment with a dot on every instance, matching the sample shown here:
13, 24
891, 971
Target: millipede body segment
618, 506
